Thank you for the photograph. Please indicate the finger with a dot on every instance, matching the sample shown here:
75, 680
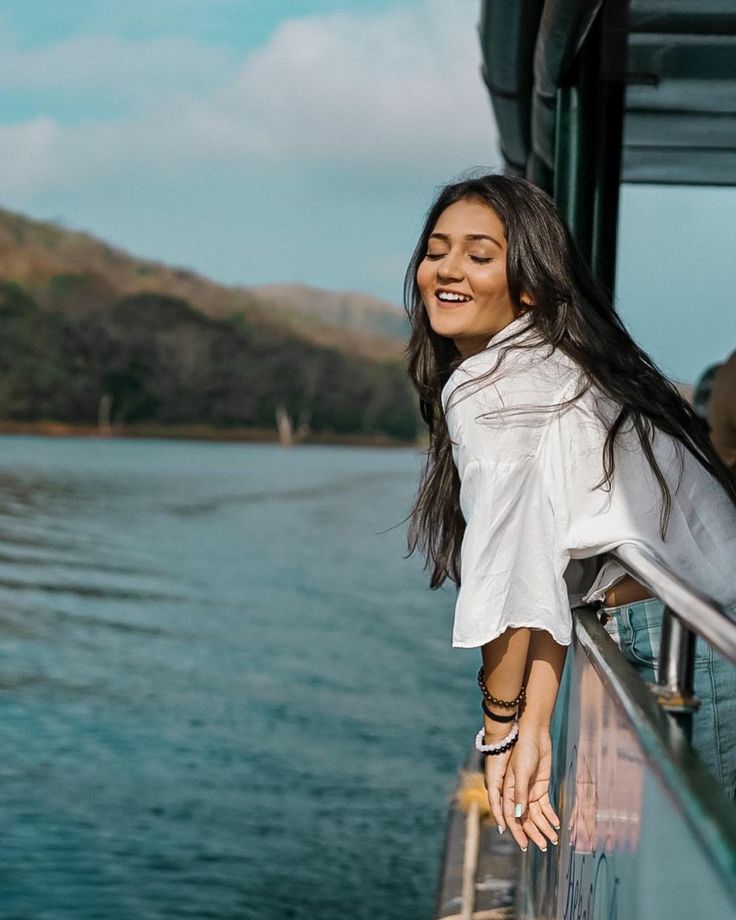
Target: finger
494, 783
533, 833
537, 815
494, 800
549, 813
521, 793
513, 823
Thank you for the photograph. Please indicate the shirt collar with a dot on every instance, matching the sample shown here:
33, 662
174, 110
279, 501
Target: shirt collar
469, 365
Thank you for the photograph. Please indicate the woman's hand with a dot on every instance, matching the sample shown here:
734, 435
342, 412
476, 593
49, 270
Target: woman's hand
526, 784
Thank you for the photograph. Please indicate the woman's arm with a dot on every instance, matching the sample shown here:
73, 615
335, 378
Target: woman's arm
542, 675
526, 782
521, 777
504, 662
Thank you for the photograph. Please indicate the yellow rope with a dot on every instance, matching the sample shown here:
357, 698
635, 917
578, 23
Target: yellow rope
472, 789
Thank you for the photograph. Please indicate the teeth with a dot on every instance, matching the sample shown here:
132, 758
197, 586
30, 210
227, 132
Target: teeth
446, 295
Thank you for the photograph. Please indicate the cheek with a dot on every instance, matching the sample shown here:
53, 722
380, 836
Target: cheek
425, 276
490, 281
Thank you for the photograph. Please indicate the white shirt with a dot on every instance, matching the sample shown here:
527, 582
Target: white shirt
531, 494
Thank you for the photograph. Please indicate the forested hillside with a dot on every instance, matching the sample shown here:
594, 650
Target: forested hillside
84, 326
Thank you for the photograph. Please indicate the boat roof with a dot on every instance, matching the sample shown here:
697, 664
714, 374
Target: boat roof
677, 59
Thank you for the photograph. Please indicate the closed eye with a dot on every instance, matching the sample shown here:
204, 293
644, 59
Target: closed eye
434, 256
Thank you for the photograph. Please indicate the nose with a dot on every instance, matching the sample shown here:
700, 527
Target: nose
450, 268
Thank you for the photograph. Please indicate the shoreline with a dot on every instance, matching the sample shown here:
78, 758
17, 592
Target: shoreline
51, 429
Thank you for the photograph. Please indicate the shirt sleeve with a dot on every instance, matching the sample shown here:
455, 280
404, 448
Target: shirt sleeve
512, 567
512, 561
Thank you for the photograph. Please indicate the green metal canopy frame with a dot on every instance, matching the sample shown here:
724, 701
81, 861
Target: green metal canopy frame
590, 93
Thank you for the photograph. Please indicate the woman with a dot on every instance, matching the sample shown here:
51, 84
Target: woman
553, 439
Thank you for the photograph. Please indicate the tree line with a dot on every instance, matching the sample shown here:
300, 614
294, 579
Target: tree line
152, 358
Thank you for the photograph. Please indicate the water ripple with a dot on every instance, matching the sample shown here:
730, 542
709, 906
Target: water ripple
206, 713
80, 589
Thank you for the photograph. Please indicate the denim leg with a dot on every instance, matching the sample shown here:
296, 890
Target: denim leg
714, 724
639, 627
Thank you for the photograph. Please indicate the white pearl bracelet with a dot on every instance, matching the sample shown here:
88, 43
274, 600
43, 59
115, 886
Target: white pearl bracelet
497, 745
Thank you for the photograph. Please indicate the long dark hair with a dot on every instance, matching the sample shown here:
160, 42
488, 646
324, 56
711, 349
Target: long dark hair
571, 312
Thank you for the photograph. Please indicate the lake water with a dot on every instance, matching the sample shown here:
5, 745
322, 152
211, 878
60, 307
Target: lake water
225, 693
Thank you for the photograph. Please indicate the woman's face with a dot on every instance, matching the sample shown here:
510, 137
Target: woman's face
462, 277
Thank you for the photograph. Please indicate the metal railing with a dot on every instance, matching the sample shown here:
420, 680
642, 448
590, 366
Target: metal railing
688, 613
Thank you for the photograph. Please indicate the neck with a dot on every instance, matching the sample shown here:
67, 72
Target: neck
467, 345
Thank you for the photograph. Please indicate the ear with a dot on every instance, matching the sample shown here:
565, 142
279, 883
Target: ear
526, 302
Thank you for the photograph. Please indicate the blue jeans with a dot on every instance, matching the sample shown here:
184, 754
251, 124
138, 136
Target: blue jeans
637, 630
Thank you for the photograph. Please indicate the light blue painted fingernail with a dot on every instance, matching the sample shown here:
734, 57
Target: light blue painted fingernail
518, 811
500, 829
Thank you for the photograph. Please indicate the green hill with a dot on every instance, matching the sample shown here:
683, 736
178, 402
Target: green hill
84, 325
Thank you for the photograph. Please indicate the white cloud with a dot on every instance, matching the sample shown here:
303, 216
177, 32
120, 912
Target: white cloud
370, 90
387, 92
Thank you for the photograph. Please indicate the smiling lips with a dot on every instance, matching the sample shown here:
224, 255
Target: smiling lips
451, 297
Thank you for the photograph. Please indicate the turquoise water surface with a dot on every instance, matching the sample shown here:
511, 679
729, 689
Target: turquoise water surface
225, 693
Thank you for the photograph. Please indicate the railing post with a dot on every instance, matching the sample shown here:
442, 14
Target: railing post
674, 688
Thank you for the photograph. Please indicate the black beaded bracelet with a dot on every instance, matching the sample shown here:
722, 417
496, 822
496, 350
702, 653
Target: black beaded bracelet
507, 704
497, 718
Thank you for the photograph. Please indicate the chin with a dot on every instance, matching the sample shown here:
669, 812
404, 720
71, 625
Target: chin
448, 328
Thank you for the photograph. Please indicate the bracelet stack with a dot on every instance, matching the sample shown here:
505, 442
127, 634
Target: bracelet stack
498, 747
508, 742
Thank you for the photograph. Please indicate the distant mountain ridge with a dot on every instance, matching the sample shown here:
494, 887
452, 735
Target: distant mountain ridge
346, 309
76, 271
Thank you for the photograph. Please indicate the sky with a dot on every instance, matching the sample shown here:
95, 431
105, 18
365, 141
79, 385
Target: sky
261, 141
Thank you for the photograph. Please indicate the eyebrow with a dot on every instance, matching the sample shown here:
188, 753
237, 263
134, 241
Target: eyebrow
469, 236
